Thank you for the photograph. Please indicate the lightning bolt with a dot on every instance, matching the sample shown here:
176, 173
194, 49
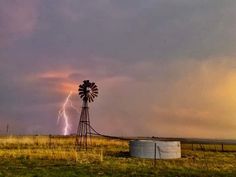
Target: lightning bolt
62, 114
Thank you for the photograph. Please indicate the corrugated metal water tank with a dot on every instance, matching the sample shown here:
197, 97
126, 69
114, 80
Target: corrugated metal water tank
155, 149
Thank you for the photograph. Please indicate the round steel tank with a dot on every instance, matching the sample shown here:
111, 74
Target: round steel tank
152, 149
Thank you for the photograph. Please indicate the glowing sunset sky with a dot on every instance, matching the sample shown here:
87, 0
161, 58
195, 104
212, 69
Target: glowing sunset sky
163, 67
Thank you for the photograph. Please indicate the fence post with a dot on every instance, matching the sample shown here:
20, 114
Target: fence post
50, 141
155, 154
101, 155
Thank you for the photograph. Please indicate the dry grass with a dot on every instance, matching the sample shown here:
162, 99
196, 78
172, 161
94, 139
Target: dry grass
54, 140
54, 148
42, 154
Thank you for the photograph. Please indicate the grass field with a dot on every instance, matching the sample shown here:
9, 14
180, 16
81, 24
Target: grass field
37, 156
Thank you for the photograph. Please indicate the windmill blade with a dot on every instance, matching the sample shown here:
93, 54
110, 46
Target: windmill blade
94, 86
89, 99
81, 86
93, 95
81, 93
96, 92
82, 96
81, 90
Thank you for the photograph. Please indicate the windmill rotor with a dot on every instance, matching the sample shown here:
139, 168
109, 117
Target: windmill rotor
88, 91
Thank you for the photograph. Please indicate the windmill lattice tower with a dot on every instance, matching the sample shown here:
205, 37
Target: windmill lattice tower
87, 91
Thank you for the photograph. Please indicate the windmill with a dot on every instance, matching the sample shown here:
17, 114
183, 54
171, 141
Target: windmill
87, 92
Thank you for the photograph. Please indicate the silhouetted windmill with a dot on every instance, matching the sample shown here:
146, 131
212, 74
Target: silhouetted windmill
87, 91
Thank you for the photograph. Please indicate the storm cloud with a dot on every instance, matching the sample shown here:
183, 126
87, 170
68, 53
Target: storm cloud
163, 68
